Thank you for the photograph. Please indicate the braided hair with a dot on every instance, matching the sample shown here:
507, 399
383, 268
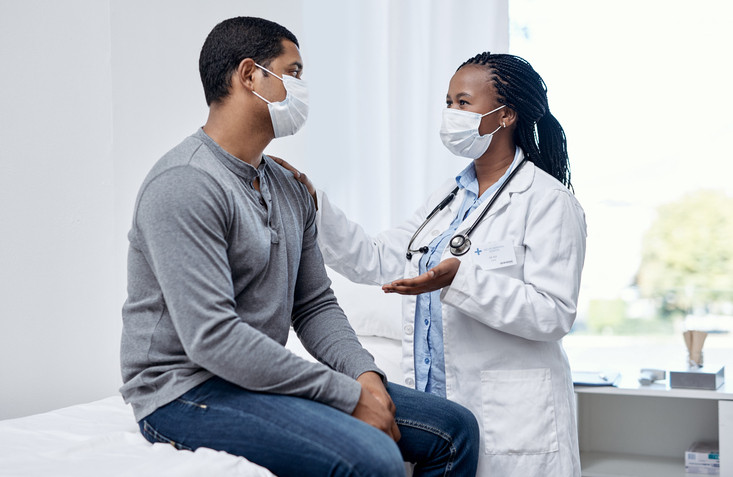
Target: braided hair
538, 133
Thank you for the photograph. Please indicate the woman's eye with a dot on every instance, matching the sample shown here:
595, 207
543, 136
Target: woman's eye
462, 102
448, 104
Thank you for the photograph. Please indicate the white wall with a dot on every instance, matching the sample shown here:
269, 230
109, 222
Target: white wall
58, 298
93, 92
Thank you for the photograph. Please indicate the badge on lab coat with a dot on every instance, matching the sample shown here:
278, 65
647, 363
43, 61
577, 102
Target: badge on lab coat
495, 255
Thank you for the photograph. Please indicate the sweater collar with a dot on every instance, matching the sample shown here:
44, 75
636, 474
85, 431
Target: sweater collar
234, 164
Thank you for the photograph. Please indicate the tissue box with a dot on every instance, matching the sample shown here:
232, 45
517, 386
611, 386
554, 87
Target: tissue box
703, 458
704, 378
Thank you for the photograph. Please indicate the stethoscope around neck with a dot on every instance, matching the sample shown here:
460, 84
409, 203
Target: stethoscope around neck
460, 244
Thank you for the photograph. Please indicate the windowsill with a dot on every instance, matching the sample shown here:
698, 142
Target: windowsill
628, 354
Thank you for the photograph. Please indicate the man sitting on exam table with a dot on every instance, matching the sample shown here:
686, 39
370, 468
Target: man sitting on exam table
223, 260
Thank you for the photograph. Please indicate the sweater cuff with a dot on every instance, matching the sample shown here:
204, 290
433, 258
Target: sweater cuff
360, 363
375, 370
348, 392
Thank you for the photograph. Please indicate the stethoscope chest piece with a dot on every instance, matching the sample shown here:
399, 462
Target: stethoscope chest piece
459, 245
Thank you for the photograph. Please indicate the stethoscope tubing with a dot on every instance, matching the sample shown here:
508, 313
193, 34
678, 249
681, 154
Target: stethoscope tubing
460, 244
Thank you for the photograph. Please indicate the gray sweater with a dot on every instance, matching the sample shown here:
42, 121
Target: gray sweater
217, 273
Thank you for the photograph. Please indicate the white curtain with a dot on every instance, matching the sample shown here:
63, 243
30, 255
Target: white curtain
96, 91
378, 72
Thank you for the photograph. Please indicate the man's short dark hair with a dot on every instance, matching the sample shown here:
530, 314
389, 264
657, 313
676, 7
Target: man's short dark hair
230, 42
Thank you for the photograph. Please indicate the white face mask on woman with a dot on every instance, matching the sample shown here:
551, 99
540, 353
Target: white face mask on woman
288, 115
459, 132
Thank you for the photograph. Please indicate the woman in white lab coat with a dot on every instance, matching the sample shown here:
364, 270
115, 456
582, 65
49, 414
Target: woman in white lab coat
484, 328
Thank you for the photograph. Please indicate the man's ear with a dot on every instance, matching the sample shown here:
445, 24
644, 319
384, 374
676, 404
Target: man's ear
507, 117
245, 73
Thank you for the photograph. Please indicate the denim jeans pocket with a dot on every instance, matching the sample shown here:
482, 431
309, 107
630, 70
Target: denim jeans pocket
190, 403
153, 436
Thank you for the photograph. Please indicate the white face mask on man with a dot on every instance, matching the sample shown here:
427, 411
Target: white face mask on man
459, 132
288, 115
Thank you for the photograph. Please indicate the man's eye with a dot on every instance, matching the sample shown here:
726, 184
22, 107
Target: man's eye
462, 102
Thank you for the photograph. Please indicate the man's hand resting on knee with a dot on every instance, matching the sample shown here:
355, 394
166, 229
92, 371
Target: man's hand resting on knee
375, 407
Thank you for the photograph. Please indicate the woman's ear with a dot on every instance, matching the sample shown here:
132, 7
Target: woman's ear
507, 117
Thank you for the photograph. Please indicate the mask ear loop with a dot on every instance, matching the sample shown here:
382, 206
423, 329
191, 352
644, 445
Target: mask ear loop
495, 130
492, 111
259, 96
273, 74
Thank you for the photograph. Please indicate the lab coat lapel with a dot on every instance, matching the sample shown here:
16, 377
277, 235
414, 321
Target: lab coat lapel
519, 183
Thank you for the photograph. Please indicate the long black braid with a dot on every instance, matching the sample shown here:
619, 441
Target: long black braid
538, 133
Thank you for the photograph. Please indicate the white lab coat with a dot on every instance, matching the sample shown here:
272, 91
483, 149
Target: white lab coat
502, 327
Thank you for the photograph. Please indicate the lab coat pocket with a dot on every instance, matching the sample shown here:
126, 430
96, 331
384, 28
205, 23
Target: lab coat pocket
518, 411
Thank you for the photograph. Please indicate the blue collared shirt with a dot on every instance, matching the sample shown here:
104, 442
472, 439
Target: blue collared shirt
429, 358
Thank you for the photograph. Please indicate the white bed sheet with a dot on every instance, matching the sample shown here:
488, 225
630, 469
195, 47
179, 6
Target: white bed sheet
101, 438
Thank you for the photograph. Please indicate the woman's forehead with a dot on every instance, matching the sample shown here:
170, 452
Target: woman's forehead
471, 79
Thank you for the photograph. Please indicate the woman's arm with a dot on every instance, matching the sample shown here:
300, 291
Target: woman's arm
348, 249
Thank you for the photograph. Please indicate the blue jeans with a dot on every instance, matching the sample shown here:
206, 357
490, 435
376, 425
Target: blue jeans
299, 437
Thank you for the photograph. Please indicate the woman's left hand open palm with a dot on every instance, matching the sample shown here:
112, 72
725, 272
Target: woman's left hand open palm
436, 278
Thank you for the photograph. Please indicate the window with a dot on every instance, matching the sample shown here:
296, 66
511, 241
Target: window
642, 90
